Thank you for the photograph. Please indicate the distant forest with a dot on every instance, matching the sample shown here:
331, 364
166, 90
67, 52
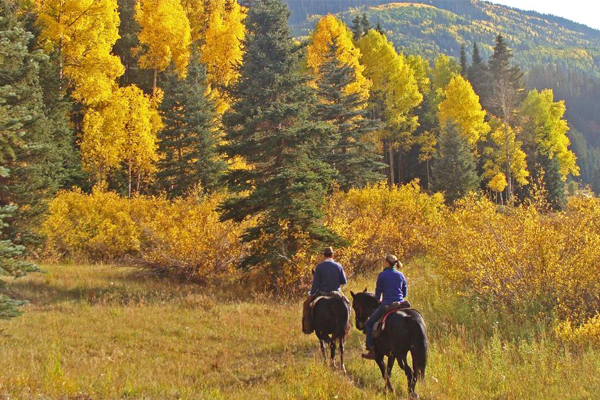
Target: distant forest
552, 51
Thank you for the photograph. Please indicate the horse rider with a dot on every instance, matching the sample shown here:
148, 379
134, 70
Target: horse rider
327, 277
391, 284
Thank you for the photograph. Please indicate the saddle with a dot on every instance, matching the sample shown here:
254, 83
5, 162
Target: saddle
390, 309
328, 295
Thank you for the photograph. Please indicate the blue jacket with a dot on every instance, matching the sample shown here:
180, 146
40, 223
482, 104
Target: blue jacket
328, 276
392, 284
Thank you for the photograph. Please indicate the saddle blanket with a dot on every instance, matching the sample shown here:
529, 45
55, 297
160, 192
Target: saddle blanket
379, 326
329, 295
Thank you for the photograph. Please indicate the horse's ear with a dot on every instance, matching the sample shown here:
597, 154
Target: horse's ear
365, 290
352, 293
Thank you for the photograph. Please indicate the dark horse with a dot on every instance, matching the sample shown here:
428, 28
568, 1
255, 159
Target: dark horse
331, 320
404, 331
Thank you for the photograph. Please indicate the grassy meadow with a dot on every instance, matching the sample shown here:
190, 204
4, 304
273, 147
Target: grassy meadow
106, 332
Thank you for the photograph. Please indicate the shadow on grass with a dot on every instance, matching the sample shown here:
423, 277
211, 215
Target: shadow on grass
104, 287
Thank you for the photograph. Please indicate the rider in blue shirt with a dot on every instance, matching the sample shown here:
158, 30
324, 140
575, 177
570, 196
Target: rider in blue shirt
327, 277
391, 285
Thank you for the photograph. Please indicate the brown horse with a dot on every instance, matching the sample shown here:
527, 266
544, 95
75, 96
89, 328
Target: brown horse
405, 331
331, 320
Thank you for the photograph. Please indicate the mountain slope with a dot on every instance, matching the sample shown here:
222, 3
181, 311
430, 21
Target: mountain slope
554, 52
433, 27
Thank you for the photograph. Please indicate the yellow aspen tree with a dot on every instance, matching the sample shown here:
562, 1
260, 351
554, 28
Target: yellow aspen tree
503, 152
164, 36
83, 33
122, 132
421, 70
327, 30
394, 92
460, 107
545, 129
222, 49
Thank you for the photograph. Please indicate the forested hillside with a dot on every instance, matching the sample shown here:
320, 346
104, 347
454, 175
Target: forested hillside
553, 52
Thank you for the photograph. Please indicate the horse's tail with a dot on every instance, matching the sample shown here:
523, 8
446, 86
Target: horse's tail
342, 319
418, 332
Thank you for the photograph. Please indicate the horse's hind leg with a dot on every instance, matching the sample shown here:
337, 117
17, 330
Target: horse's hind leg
388, 378
332, 345
384, 374
342, 356
411, 378
323, 350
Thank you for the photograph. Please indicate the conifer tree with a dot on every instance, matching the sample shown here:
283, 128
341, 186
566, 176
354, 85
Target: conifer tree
464, 68
270, 125
365, 24
506, 89
189, 139
506, 94
454, 167
352, 153
478, 75
356, 28
36, 140
10, 265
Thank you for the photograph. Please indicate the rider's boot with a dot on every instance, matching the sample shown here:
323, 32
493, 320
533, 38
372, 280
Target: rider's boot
306, 317
370, 355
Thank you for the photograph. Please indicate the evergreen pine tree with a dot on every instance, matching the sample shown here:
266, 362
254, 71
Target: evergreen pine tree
478, 75
10, 265
506, 81
37, 140
464, 68
454, 170
555, 186
365, 24
506, 92
271, 126
379, 28
189, 140
354, 159
357, 30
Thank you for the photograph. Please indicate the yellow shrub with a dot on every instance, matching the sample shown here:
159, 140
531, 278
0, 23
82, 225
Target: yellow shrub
587, 333
96, 226
522, 258
184, 236
379, 220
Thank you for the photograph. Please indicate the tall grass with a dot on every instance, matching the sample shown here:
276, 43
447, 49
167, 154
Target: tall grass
101, 332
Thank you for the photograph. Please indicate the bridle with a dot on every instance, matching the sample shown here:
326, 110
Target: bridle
360, 324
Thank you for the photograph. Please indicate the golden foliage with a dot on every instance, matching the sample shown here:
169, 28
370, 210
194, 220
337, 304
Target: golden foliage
97, 226
122, 131
184, 235
218, 26
588, 333
394, 92
83, 32
379, 220
460, 107
328, 30
545, 128
165, 34
502, 150
522, 258
222, 50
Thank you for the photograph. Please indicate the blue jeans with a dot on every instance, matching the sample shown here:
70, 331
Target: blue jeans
378, 313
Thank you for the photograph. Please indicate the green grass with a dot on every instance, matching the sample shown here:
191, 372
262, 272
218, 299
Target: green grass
102, 332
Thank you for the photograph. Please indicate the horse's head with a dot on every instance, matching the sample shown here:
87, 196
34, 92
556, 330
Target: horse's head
363, 303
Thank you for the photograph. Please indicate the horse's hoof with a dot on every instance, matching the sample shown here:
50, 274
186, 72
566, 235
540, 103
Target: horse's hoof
413, 396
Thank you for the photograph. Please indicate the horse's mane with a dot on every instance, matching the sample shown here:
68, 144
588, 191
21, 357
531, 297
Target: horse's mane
368, 296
